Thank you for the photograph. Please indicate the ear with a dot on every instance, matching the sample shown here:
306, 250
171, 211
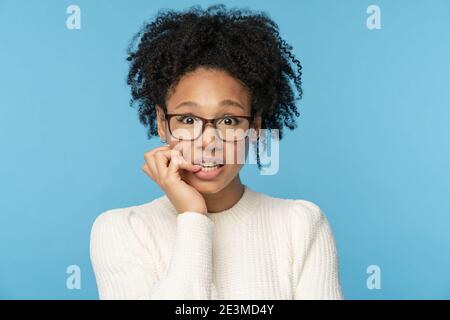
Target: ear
161, 122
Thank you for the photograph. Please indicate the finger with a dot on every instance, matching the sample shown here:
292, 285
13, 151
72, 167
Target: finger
151, 163
177, 162
189, 166
153, 151
147, 171
162, 159
149, 159
183, 150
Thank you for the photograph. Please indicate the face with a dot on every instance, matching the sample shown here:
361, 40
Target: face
206, 90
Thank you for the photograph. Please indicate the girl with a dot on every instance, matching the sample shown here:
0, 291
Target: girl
204, 79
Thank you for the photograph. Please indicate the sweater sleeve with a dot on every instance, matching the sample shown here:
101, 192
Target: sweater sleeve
122, 257
316, 264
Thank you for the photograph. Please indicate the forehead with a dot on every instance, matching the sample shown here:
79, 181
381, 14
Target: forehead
209, 88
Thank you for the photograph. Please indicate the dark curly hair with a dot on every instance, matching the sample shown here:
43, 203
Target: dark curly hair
244, 43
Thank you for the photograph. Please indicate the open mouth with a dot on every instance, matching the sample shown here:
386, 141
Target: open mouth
210, 166
209, 171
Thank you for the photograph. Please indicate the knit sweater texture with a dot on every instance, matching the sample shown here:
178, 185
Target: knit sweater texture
262, 247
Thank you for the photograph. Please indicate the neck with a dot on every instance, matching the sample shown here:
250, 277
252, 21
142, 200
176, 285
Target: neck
225, 198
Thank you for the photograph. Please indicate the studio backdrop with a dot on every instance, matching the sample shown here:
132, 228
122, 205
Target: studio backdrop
371, 147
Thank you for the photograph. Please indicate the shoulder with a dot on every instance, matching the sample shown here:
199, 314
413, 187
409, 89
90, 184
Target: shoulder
117, 218
309, 217
110, 219
303, 218
311, 226
295, 210
127, 223
307, 212
110, 228
116, 234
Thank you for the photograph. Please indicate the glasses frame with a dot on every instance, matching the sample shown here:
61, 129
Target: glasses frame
205, 121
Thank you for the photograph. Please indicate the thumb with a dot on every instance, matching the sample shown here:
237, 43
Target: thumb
189, 166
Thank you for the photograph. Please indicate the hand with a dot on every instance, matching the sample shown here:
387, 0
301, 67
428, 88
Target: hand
163, 164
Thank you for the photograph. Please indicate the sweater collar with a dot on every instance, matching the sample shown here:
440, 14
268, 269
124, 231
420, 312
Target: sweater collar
248, 203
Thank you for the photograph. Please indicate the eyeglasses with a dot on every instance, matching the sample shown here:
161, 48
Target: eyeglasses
189, 127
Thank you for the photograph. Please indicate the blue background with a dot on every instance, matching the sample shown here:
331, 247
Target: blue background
371, 147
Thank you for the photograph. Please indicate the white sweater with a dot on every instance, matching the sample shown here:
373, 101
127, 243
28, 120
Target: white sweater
261, 248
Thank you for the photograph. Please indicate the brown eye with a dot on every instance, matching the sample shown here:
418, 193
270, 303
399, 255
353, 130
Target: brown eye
187, 119
230, 121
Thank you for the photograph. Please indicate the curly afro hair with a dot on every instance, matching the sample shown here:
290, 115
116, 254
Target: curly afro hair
244, 43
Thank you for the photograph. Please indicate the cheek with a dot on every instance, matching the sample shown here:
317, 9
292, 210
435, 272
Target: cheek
234, 154
186, 149
231, 169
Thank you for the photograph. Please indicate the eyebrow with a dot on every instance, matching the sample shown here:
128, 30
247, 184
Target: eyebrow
223, 103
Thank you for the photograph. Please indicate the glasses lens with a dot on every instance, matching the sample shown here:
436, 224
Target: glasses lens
185, 127
188, 127
233, 128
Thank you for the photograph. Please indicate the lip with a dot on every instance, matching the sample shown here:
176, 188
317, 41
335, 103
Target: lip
208, 160
209, 175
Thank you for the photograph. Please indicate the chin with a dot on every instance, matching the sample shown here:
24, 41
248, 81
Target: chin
208, 186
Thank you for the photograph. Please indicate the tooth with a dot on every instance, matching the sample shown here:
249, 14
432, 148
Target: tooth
209, 164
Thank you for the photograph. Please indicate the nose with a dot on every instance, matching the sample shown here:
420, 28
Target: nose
209, 134
209, 144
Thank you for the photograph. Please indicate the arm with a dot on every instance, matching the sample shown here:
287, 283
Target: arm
317, 269
124, 266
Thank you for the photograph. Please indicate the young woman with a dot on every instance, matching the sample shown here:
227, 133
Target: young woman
203, 79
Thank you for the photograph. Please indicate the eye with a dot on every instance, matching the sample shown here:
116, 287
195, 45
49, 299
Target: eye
230, 121
187, 119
